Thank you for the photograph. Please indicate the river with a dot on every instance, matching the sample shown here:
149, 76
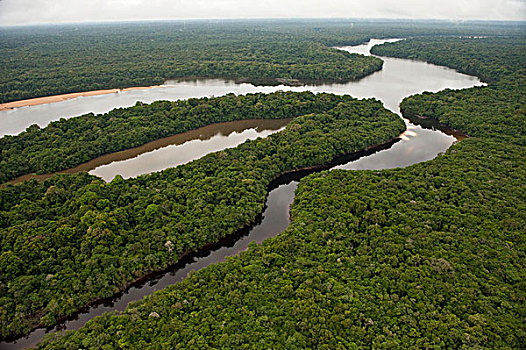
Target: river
173, 150
398, 78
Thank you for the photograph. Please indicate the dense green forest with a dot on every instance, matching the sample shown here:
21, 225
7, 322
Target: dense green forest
42, 61
37, 64
497, 110
74, 238
69, 142
426, 257
483, 57
429, 256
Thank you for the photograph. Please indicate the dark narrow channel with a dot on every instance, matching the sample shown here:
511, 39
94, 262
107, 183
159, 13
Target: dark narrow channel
417, 144
273, 220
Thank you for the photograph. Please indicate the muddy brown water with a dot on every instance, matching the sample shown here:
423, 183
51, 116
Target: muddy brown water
173, 150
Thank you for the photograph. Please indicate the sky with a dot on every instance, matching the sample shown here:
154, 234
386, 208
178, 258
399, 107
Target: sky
20, 12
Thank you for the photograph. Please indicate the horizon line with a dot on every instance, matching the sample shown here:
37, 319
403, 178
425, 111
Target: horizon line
255, 19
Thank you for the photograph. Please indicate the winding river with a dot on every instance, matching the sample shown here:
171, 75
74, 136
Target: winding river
398, 78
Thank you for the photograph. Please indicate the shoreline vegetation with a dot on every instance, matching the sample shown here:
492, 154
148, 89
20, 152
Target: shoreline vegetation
114, 56
188, 255
431, 255
431, 122
202, 133
90, 237
118, 56
67, 143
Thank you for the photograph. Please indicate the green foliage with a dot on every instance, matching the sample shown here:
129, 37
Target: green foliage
66, 59
483, 57
429, 256
50, 60
73, 238
495, 111
68, 142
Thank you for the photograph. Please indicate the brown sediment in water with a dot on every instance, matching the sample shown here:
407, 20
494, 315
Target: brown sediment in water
203, 133
64, 97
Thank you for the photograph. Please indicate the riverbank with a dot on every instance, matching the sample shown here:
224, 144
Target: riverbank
430, 122
178, 186
122, 129
244, 80
204, 133
190, 260
65, 97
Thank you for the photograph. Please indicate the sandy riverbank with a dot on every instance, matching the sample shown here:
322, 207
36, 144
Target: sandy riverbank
64, 97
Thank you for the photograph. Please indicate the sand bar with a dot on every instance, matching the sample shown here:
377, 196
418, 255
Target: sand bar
64, 97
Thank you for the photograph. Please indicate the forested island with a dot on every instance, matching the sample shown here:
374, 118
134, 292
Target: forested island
69, 142
428, 256
74, 238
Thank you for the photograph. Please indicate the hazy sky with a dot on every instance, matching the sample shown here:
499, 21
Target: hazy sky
54, 11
